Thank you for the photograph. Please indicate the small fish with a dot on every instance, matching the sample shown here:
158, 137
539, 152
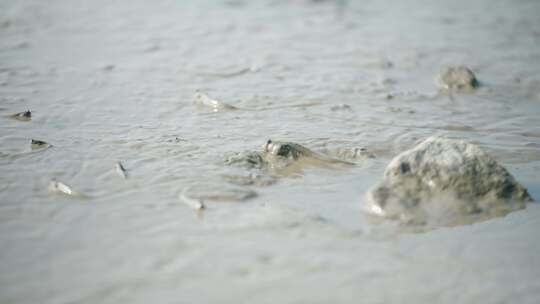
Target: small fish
22, 116
120, 170
196, 204
59, 187
39, 144
204, 101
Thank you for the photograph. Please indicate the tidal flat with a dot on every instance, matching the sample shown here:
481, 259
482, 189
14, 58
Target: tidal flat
140, 102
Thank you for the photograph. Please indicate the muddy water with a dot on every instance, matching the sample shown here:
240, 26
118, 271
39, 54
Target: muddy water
110, 81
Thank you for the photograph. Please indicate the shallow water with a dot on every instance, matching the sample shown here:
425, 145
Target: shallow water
114, 80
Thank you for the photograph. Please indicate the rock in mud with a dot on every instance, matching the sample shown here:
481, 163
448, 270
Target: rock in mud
445, 182
457, 78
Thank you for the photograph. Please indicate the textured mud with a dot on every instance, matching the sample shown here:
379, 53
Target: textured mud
110, 81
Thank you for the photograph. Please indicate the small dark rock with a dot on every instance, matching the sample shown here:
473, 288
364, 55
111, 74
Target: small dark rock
457, 78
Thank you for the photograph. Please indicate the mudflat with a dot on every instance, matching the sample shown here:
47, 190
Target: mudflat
113, 82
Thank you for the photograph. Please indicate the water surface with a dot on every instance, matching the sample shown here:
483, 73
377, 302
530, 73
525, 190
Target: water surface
114, 80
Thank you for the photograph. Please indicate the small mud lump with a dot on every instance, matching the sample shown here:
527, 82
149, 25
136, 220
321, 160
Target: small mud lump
457, 78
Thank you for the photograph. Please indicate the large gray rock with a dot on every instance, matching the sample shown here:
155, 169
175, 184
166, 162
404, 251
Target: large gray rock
445, 182
457, 78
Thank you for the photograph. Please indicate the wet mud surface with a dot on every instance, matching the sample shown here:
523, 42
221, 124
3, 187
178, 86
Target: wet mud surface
111, 83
